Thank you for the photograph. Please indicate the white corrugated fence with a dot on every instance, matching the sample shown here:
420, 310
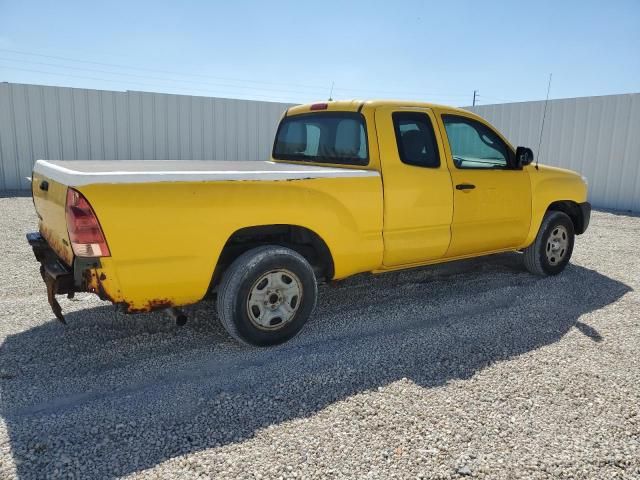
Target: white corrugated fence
597, 136
58, 123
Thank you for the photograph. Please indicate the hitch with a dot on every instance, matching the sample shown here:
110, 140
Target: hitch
50, 282
56, 275
58, 281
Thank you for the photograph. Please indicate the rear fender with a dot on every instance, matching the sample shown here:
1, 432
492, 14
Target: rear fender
166, 238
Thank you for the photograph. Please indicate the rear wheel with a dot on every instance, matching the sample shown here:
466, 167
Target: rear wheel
267, 295
551, 251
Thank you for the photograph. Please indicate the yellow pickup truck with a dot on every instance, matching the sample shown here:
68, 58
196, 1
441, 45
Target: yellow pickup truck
351, 187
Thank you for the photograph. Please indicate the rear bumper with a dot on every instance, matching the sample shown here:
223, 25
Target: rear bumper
585, 214
86, 274
60, 278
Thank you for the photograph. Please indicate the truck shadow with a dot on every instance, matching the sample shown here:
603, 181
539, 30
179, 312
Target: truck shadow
75, 398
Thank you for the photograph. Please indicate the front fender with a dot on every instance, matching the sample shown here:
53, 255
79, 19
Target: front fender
549, 185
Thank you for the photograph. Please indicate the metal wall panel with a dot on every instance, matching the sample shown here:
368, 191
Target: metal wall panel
60, 123
596, 136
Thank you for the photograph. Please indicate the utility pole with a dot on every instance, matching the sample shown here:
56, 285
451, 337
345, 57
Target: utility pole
475, 92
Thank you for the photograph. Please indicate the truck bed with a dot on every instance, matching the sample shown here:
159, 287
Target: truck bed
87, 172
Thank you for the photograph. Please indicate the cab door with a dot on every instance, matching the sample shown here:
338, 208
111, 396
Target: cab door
492, 198
418, 196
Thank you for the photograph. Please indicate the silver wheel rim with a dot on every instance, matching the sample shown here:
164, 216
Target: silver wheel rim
274, 299
557, 244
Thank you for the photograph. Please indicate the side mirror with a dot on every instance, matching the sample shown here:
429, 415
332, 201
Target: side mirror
524, 156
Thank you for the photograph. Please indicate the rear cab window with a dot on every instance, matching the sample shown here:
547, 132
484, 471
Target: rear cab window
416, 139
322, 137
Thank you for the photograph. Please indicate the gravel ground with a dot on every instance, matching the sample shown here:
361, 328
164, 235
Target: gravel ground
474, 369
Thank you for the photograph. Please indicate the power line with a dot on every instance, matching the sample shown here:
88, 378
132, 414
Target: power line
182, 74
280, 99
131, 67
151, 77
161, 88
176, 84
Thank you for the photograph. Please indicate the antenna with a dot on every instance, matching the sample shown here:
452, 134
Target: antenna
331, 91
544, 114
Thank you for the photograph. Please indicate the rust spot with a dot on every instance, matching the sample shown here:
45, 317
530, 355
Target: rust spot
102, 293
297, 179
100, 290
150, 306
56, 244
93, 284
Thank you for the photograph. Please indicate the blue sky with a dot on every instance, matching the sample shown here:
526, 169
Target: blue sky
294, 50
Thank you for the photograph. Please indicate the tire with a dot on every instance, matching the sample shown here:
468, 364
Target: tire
551, 251
267, 295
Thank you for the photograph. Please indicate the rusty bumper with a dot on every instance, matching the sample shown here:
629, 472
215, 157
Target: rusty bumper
83, 275
59, 278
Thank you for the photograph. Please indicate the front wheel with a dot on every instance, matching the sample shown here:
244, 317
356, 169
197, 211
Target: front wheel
549, 254
267, 295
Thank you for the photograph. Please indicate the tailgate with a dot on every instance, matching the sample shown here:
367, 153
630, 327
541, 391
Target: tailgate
49, 198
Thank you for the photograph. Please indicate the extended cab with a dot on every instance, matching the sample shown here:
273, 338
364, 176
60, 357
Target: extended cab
352, 187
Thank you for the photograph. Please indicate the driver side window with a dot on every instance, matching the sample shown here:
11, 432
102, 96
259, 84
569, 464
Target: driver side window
473, 145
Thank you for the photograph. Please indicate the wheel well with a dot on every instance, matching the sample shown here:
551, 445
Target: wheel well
304, 241
573, 211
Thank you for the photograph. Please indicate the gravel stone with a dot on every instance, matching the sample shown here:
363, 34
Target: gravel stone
473, 369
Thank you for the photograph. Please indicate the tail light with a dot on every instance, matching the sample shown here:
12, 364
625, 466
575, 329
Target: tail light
85, 233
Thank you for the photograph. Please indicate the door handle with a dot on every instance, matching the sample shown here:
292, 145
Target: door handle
465, 186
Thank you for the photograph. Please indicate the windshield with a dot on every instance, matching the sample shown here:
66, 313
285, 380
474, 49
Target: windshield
326, 137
